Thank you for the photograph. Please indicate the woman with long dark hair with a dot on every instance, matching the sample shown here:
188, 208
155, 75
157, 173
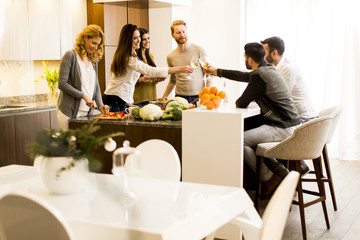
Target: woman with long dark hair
126, 69
145, 88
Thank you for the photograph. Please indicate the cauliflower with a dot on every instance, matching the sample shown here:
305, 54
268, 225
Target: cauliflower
184, 104
151, 112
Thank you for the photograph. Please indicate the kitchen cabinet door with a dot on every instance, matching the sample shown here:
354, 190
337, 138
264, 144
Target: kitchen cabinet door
27, 128
7, 141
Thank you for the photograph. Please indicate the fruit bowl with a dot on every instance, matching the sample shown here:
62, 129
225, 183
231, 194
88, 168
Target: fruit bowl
211, 98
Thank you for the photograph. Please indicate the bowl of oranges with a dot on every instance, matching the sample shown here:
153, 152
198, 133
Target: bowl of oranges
211, 97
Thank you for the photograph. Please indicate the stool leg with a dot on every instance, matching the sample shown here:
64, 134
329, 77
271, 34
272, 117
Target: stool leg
321, 187
301, 201
259, 163
329, 176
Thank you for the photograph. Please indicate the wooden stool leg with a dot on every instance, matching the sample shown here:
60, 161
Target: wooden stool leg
259, 163
301, 201
329, 176
321, 187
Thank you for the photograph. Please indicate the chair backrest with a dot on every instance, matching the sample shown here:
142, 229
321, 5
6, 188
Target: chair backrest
159, 159
277, 211
23, 216
333, 112
306, 142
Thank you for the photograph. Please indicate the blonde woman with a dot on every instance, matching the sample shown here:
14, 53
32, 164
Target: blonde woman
78, 77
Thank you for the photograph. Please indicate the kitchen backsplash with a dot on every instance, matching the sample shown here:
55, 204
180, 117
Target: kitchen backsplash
17, 81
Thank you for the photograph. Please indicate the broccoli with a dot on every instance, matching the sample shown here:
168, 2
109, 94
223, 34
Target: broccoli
135, 113
184, 104
172, 113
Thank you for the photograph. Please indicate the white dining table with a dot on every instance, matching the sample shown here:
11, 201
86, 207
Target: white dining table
159, 209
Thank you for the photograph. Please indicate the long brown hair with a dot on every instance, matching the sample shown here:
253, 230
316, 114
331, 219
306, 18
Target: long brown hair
123, 50
90, 31
149, 60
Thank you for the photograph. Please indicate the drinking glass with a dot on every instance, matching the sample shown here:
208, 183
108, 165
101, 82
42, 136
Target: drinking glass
194, 62
204, 61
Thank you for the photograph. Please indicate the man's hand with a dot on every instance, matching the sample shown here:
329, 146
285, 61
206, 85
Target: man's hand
211, 71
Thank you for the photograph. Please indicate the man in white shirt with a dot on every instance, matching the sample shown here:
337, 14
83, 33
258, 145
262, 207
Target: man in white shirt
188, 86
274, 50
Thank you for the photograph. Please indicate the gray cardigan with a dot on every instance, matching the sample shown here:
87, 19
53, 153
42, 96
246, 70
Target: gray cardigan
70, 86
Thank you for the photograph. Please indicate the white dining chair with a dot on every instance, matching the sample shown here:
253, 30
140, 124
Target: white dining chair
24, 216
272, 224
159, 159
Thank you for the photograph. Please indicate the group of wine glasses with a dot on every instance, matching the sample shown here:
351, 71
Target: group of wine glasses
203, 61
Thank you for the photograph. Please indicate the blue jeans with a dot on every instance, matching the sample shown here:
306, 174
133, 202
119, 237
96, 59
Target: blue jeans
116, 104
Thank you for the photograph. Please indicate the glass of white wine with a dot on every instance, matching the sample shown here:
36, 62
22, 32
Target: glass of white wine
194, 62
204, 61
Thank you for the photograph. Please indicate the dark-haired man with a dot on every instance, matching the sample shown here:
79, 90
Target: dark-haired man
270, 91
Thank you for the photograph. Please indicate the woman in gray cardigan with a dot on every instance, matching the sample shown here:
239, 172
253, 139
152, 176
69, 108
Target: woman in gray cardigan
78, 77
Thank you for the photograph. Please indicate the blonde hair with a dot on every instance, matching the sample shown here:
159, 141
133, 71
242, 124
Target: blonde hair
177, 23
90, 31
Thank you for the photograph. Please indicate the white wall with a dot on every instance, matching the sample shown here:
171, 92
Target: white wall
207, 26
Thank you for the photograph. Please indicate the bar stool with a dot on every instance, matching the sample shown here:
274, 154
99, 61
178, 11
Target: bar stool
305, 143
334, 113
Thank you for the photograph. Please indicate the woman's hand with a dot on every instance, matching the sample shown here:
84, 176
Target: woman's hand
211, 71
104, 109
144, 79
90, 103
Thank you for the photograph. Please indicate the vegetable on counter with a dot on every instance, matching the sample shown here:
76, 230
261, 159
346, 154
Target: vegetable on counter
151, 112
135, 113
172, 111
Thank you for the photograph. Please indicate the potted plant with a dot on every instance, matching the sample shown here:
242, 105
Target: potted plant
66, 156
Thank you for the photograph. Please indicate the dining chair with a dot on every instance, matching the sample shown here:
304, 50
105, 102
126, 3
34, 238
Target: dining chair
159, 159
305, 143
333, 112
24, 216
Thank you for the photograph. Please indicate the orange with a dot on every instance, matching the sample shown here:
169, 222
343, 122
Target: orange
205, 97
216, 105
214, 90
211, 95
205, 90
202, 102
210, 105
216, 100
200, 94
221, 94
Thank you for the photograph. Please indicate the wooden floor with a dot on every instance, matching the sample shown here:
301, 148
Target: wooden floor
345, 222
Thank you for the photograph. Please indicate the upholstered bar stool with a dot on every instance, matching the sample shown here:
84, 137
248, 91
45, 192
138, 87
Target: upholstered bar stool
334, 113
305, 143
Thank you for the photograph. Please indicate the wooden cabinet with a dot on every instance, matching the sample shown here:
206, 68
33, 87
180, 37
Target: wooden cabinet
18, 130
7, 140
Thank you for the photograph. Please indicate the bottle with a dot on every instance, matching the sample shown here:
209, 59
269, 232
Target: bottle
226, 90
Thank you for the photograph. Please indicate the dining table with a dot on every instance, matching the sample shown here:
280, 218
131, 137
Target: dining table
150, 209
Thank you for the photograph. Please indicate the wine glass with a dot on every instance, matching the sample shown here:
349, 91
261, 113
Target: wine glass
194, 62
204, 61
